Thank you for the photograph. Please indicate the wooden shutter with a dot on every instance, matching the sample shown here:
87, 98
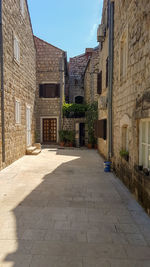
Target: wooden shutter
49, 90
101, 129
41, 90
99, 83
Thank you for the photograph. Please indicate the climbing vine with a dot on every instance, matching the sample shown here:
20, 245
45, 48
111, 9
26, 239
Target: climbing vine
91, 117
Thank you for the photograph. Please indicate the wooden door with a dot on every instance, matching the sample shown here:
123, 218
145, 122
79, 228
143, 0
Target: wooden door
49, 130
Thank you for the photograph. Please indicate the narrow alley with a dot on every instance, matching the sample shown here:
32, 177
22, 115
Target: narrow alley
59, 209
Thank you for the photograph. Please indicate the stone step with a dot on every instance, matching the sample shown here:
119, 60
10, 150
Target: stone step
36, 152
30, 150
37, 145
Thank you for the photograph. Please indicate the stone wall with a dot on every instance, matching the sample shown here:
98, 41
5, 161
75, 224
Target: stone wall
77, 67
90, 77
50, 68
72, 124
102, 99
19, 78
129, 92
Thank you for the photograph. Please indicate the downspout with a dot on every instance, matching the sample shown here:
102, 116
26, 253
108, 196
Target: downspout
62, 88
2, 85
110, 80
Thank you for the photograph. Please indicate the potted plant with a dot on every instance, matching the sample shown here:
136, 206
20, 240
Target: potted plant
90, 141
124, 154
62, 137
71, 138
95, 143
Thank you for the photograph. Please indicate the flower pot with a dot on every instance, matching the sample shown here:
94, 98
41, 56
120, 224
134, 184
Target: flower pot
70, 145
95, 146
89, 146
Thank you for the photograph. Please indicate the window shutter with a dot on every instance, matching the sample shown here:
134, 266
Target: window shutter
22, 7
99, 83
49, 90
102, 129
58, 90
41, 90
16, 49
17, 112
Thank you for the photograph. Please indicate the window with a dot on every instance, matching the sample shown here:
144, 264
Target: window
125, 137
106, 72
144, 142
17, 112
123, 57
99, 83
16, 49
79, 99
101, 129
22, 7
49, 90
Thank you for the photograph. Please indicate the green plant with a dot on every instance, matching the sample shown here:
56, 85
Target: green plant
124, 153
61, 136
67, 136
91, 117
74, 110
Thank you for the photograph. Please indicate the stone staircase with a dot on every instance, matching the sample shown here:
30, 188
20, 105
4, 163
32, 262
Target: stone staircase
33, 150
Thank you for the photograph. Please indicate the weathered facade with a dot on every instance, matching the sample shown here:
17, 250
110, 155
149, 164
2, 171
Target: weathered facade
131, 96
103, 38
51, 71
18, 81
77, 67
90, 77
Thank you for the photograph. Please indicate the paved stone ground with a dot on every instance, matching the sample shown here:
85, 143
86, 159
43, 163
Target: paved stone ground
59, 209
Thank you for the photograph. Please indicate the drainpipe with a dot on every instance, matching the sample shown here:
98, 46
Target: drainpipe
2, 85
110, 80
62, 87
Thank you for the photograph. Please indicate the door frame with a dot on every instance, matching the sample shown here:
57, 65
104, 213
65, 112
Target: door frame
41, 126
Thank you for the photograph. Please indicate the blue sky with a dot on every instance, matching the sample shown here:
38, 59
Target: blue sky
67, 24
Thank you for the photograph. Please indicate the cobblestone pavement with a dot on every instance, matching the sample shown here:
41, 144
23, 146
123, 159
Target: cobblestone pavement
59, 209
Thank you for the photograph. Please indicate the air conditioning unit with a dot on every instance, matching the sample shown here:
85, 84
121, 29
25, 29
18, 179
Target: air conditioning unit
101, 33
103, 102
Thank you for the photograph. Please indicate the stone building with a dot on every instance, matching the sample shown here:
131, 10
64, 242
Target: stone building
77, 67
124, 109
51, 73
103, 36
131, 96
18, 80
90, 77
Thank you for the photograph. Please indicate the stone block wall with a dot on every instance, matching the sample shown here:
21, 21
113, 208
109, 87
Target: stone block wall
90, 77
50, 68
77, 67
19, 78
132, 21
72, 124
102, 109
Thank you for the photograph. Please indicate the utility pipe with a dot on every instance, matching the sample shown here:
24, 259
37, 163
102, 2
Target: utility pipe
110, 79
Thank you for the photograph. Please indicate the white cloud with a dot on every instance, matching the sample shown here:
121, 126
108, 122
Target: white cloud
92, 32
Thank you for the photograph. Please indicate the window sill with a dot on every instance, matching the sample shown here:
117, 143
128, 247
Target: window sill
47, 98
